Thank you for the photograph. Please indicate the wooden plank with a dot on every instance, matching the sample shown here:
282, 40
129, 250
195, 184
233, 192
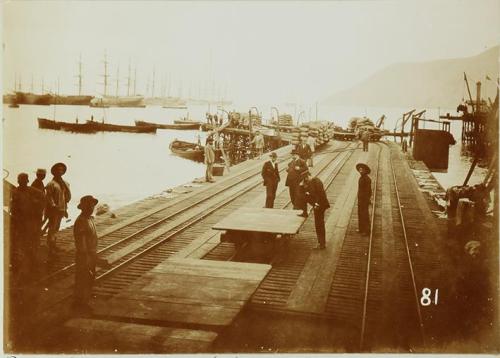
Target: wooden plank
217, 267
180, 288
121, 337
276, 221
171, 311
189, 291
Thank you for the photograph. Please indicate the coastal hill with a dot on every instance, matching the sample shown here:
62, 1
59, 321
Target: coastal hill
426, 84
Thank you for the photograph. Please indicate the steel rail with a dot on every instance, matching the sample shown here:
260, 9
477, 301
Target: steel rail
368, 263
408, 254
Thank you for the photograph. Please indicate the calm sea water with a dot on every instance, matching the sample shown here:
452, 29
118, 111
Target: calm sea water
120, 168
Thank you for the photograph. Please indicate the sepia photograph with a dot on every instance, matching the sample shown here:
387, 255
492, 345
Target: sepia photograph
265, 177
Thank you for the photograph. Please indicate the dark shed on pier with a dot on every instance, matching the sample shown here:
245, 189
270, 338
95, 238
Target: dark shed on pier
432, 147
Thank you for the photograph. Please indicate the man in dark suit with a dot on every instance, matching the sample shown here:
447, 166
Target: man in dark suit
364, 198
316, 196
271, 177
295, 168
304, 150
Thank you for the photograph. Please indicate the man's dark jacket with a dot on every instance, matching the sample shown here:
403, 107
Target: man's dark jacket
270, 173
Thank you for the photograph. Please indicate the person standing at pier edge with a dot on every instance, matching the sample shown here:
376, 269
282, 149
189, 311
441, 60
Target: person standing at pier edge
364, 198
293, 179
365, 138
258, 142
24, 202
311, 141
40, 209
209, 160
85, 236
271, 176
303, 150
316, 196
58, 196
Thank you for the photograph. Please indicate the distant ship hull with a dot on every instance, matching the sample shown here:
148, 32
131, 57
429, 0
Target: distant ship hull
120, 101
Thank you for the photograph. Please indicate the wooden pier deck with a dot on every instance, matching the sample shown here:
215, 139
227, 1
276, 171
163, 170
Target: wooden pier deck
168, 267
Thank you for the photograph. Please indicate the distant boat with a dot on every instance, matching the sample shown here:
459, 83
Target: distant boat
13, 105
182, 126
118, 101
191, 151
92, 127
186, 120
175, 106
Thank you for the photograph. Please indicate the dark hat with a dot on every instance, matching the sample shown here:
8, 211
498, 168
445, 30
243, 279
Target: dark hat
22, 176
41, 171
364, 166
57, 165
210, 139
87, 200
273, 154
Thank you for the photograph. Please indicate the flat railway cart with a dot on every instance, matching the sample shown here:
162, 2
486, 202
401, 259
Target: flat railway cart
259, 232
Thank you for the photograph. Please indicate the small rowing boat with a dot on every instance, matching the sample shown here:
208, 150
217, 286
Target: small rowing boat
191, 151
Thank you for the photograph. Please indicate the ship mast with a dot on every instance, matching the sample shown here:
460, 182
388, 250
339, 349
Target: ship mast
105, 75
135, 79
80, 75
128, 79
153, 85
117, 79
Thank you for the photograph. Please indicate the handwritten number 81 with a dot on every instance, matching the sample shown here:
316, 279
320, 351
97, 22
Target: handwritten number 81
425, 300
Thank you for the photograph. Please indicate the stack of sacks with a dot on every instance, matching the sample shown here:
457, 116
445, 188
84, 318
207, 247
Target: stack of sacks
285, 120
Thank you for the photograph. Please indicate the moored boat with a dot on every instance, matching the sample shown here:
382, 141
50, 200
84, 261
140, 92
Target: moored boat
92, 127
108, 127
186, 120
45, 123
182, 126
191, 151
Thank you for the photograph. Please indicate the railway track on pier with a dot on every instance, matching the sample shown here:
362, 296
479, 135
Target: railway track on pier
130, 267
375, 287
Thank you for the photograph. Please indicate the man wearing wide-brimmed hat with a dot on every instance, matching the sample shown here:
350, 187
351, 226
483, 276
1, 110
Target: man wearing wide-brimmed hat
58, 196
85, 235
293, 179
271, 176
364, 198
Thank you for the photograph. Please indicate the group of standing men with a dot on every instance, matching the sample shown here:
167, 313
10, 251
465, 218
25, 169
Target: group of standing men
213, 119
305, 189
33, 207
37, 209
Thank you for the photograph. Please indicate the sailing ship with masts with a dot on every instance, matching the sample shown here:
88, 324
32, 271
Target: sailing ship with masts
117, 100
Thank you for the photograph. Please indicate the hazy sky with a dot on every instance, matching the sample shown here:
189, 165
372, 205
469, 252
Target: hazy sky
258, 50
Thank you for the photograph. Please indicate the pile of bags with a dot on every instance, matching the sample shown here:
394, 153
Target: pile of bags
355, 122
285, 120
320, 131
